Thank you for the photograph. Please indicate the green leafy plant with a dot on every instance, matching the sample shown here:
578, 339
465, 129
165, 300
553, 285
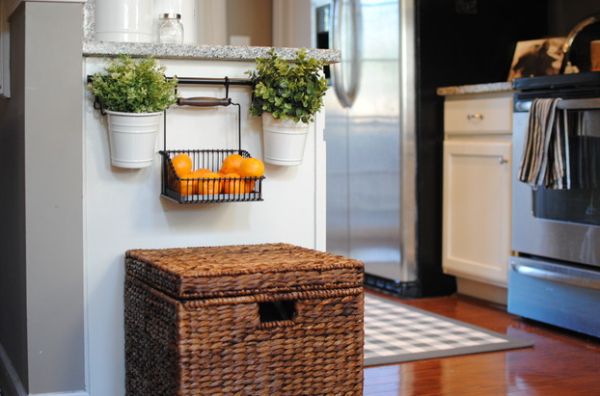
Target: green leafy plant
288, 90
134, 86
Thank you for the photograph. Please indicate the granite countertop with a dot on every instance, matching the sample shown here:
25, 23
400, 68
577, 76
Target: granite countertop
475, 89
199, 52
92, 47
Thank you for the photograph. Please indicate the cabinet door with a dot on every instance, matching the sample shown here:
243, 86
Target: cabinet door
476, 235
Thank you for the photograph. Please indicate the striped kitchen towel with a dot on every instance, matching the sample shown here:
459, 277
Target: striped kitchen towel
545, 161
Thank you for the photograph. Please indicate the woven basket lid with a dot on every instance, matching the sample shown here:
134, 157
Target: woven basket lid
225, 271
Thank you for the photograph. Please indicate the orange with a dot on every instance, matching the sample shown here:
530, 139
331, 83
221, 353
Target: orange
252, 167
189, 183
250, 185
231, 164
212, 186
236, 186
186, 185
182, 163
197, 174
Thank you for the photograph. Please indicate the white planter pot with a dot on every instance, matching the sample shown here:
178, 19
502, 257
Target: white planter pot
284, 141
132, 138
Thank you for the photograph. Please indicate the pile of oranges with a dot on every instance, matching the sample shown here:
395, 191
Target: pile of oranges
232, 178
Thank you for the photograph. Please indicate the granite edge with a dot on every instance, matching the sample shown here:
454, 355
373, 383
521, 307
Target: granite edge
93, 48
505, 86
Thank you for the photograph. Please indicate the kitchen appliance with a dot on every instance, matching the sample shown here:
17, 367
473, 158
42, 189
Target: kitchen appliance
371, 122
555, 275
384, 122
370, 129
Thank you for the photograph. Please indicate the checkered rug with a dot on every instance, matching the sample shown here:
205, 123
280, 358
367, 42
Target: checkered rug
397, 333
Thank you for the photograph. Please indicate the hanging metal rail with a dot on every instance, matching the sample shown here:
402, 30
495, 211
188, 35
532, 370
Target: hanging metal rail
204, 157
198, 101
209, 101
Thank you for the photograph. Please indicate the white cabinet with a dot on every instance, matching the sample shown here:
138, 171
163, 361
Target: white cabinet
476, 237
477, 190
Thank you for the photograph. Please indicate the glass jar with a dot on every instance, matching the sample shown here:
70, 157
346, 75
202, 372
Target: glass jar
170, 30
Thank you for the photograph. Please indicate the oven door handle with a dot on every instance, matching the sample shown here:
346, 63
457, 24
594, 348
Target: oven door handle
524, 105
579, 104
541, 273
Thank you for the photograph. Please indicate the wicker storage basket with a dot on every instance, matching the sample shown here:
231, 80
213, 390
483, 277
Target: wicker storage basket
270, 319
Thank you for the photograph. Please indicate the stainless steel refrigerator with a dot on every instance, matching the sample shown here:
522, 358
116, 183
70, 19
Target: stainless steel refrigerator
384, 121
370, 136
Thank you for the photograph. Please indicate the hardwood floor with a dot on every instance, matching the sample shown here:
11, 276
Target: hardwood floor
560, 363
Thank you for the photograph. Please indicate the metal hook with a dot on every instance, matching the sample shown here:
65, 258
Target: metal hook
227, 87
98, 105
239, 120
176, 85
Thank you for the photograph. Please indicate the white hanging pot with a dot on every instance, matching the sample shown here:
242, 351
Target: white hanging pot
284, 140
132, 138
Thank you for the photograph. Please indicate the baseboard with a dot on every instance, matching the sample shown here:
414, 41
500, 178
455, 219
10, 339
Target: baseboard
482, 291
9, 377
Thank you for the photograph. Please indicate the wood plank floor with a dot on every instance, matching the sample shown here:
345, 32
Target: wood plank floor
560, 363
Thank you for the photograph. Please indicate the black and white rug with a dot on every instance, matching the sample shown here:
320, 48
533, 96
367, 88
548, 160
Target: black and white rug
397, 333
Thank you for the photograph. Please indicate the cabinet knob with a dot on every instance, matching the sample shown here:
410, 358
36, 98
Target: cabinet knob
502, 161
475, 116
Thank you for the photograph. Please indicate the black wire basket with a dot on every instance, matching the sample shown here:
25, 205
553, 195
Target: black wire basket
207, 190
196, 188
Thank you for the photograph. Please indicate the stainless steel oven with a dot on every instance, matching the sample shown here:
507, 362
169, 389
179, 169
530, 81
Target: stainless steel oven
554, 276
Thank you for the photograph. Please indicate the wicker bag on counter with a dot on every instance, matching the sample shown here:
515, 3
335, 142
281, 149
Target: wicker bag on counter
271, 319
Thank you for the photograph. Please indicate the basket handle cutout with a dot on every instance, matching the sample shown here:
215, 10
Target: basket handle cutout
277, 311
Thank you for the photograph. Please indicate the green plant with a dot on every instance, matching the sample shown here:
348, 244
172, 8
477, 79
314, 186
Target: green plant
288, 90
134, 86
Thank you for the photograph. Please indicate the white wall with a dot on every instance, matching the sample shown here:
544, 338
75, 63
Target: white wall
123, 209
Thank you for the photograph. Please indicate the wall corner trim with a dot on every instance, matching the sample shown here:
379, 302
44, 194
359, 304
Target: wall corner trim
8, 371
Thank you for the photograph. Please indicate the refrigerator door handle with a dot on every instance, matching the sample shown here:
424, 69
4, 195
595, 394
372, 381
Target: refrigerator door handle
347, 96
